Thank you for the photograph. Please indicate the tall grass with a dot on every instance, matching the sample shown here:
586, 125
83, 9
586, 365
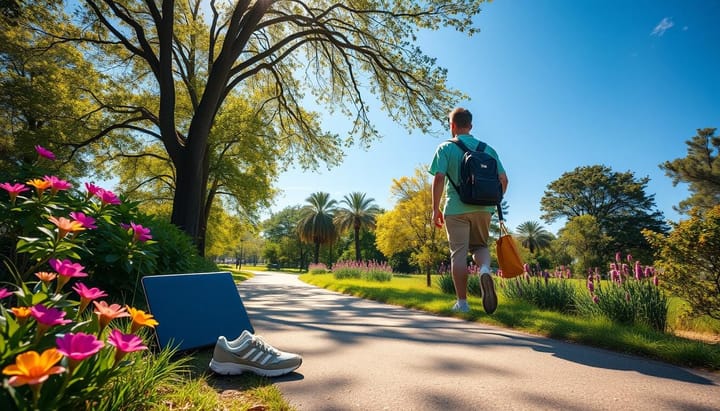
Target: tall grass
545, 292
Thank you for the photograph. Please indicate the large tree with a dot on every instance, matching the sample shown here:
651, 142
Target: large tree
617, 201
281, 233
356, 213
316, 224
700, 169
408, 227
340, 52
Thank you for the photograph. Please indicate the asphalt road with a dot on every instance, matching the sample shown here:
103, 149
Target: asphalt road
364, 355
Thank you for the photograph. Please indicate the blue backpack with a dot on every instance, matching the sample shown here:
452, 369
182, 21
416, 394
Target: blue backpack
479, 179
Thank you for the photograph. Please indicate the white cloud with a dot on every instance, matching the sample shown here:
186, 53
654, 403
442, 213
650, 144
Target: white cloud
665, 24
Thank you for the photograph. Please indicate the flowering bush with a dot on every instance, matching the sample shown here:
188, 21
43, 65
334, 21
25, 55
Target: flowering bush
630, 296
369, 270
544, 290
62, 346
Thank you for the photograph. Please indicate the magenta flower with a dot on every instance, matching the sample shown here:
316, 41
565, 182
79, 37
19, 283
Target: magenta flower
648, 271
595, 299
67, 270
107, 197
86, 221
78, 347
87, 295
5, 293
629, 258
43, 152
526, 267
57, 184
638, 271
92, 189
46, 318
140, 233
618, 257
14, 190
655, 280
591, 286
124, 343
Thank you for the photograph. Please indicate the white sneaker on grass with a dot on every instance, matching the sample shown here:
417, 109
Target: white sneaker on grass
251, 353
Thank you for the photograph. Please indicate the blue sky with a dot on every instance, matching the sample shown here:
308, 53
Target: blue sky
557, 84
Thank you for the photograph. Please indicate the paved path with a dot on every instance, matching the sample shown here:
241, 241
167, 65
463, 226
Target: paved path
364, 355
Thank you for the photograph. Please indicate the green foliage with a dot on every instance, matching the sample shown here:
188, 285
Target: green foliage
583, 238
446, 284
534, 236
617, 201
316, 224
319, 268
543, 292
688, 261
358, 213
700, 169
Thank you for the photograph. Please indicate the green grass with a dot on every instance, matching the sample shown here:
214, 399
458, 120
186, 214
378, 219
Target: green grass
411, 291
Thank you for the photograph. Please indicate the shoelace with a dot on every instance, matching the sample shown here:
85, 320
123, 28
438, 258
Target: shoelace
260, 343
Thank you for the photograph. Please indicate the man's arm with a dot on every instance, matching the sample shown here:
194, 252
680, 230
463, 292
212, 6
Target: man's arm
438, 185
503, 181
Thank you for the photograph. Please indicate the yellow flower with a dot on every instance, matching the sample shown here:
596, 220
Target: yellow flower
140, 319
32, 368
40, 185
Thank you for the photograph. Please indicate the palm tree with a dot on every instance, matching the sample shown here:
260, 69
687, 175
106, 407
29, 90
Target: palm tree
359, 212
534, 236
316, 221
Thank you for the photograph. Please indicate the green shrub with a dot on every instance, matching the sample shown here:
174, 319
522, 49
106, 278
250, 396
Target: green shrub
445, 282
688, 261
319, 268
544, 292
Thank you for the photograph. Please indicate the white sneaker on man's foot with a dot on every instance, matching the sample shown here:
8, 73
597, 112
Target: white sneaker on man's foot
461, 308
251, 353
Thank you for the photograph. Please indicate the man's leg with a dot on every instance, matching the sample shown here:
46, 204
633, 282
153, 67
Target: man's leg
458, 231
479, 235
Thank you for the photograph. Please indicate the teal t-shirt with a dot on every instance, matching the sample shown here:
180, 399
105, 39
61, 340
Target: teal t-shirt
448, 157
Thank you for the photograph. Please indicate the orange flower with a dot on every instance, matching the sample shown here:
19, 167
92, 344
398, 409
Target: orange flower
65, 225
40, 185
107, 313
140, 319
32, 368
46, 277
22, 314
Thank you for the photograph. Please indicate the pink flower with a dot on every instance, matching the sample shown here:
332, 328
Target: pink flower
78, 347
591, 286
140, 233
107, 197
87, 295
14, 190
629, 258
124, 343
47, 317
86, 221
67, 270
57, 184
648, 271
43, 152
638, 271
5, 293
107, 313
655, 280
92, 189
595, 299
526, 267
618, 257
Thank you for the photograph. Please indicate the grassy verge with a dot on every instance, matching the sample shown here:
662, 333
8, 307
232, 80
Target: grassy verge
411, 291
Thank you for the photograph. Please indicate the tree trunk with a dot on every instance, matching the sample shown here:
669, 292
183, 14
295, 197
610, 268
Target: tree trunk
357, 244
317, 252
188, 203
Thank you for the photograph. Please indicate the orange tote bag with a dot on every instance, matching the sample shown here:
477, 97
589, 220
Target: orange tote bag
507, 254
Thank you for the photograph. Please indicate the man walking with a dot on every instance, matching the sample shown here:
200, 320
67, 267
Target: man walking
467, 225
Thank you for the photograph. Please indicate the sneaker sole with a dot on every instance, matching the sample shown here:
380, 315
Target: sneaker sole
489, 298
230, 368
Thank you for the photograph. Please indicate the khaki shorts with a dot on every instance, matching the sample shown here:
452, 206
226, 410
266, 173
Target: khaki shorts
467, 233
